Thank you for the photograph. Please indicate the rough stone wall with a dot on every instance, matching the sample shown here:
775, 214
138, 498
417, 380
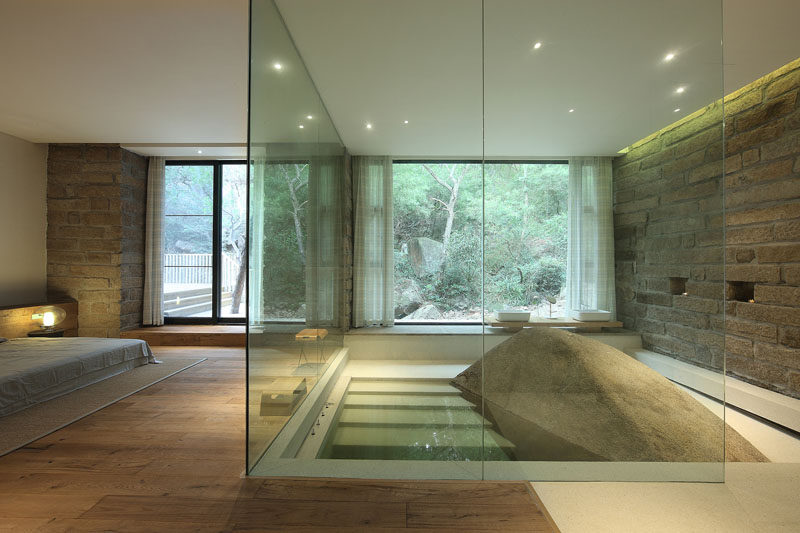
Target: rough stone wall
86, 196
134, 201
669, 233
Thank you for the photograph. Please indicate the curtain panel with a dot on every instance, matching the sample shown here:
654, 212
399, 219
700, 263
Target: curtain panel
373, 255
324, 241
590, 258
153, 300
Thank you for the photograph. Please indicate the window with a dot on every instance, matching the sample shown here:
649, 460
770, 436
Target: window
439, 208
283, 240
204, 241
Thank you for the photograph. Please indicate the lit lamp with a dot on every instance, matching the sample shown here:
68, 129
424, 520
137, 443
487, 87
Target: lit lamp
49, 316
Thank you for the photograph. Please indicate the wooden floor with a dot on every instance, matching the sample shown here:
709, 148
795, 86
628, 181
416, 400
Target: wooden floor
170, 458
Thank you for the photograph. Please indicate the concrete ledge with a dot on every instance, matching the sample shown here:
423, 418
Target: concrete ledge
775, 407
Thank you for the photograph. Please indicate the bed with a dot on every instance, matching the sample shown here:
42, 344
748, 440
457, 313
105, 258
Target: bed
34, 370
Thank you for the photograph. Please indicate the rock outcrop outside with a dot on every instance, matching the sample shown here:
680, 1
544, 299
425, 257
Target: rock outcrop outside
559, 396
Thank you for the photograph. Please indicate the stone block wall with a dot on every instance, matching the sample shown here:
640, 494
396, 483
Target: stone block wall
669, 230
87, 193
133, 193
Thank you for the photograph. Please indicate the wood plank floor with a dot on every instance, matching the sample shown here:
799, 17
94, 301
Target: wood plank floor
170, 458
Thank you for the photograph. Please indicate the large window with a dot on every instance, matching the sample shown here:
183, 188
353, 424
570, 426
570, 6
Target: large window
204, 241
438, 208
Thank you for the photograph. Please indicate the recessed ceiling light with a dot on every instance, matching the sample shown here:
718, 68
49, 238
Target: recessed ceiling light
680, 90
309, 117
571, 110
301, 126
405, 122
277, 66
669, 57
369, 126
676, 109
537, 45
199, 151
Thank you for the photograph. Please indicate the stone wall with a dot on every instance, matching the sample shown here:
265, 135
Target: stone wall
669, 235
91, 216
133, 194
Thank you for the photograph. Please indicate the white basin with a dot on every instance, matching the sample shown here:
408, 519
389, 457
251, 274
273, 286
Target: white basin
512, 315
591, 315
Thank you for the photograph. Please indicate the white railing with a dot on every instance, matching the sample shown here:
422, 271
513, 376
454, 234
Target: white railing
195, 269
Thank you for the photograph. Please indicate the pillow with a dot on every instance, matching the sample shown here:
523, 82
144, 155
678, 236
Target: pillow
2, 340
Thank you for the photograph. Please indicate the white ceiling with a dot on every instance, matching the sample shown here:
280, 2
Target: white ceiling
127, 71
171, 75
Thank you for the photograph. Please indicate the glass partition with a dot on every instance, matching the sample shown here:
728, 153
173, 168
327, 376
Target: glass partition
508, 259
629, 230
296, 175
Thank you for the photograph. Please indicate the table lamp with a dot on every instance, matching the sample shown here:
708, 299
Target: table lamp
49, 316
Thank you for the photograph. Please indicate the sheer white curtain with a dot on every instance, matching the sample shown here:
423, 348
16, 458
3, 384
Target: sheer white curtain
255, 240
324, 241
153, 301
590, 258
373, 256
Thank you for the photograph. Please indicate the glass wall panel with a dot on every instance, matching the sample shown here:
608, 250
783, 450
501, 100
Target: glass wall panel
620, 237
296, 177
510, 255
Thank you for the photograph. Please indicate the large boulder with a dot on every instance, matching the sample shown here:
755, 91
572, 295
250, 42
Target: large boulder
559, 396
425, 255
425, 313
407, 297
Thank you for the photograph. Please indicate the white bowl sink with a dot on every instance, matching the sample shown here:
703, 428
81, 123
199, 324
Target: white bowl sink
511, 315
591, 315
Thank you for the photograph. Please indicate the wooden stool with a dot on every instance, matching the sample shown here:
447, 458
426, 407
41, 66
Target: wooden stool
309, 335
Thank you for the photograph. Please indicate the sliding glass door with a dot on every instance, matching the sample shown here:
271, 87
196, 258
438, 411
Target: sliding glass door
204, 241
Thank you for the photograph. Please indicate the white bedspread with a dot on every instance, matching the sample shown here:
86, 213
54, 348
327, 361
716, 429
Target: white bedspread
33, 370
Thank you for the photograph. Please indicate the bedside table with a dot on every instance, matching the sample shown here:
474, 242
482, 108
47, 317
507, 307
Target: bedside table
46, 333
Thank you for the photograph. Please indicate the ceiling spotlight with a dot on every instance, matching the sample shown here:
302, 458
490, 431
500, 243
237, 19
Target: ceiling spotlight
676, 109
199, 151
537, 45
301, 126
669, 57
571, 110
405, 122
277, 66
369, 126
309, 117
680, 90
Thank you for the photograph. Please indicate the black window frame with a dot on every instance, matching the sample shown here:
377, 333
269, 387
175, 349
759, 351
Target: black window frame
216, 246
417, 161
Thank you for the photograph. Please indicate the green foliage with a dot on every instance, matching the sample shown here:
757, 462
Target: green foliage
525, 232
284, 271
188, 192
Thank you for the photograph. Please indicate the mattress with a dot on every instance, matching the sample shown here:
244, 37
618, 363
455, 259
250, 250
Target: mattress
34, 370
